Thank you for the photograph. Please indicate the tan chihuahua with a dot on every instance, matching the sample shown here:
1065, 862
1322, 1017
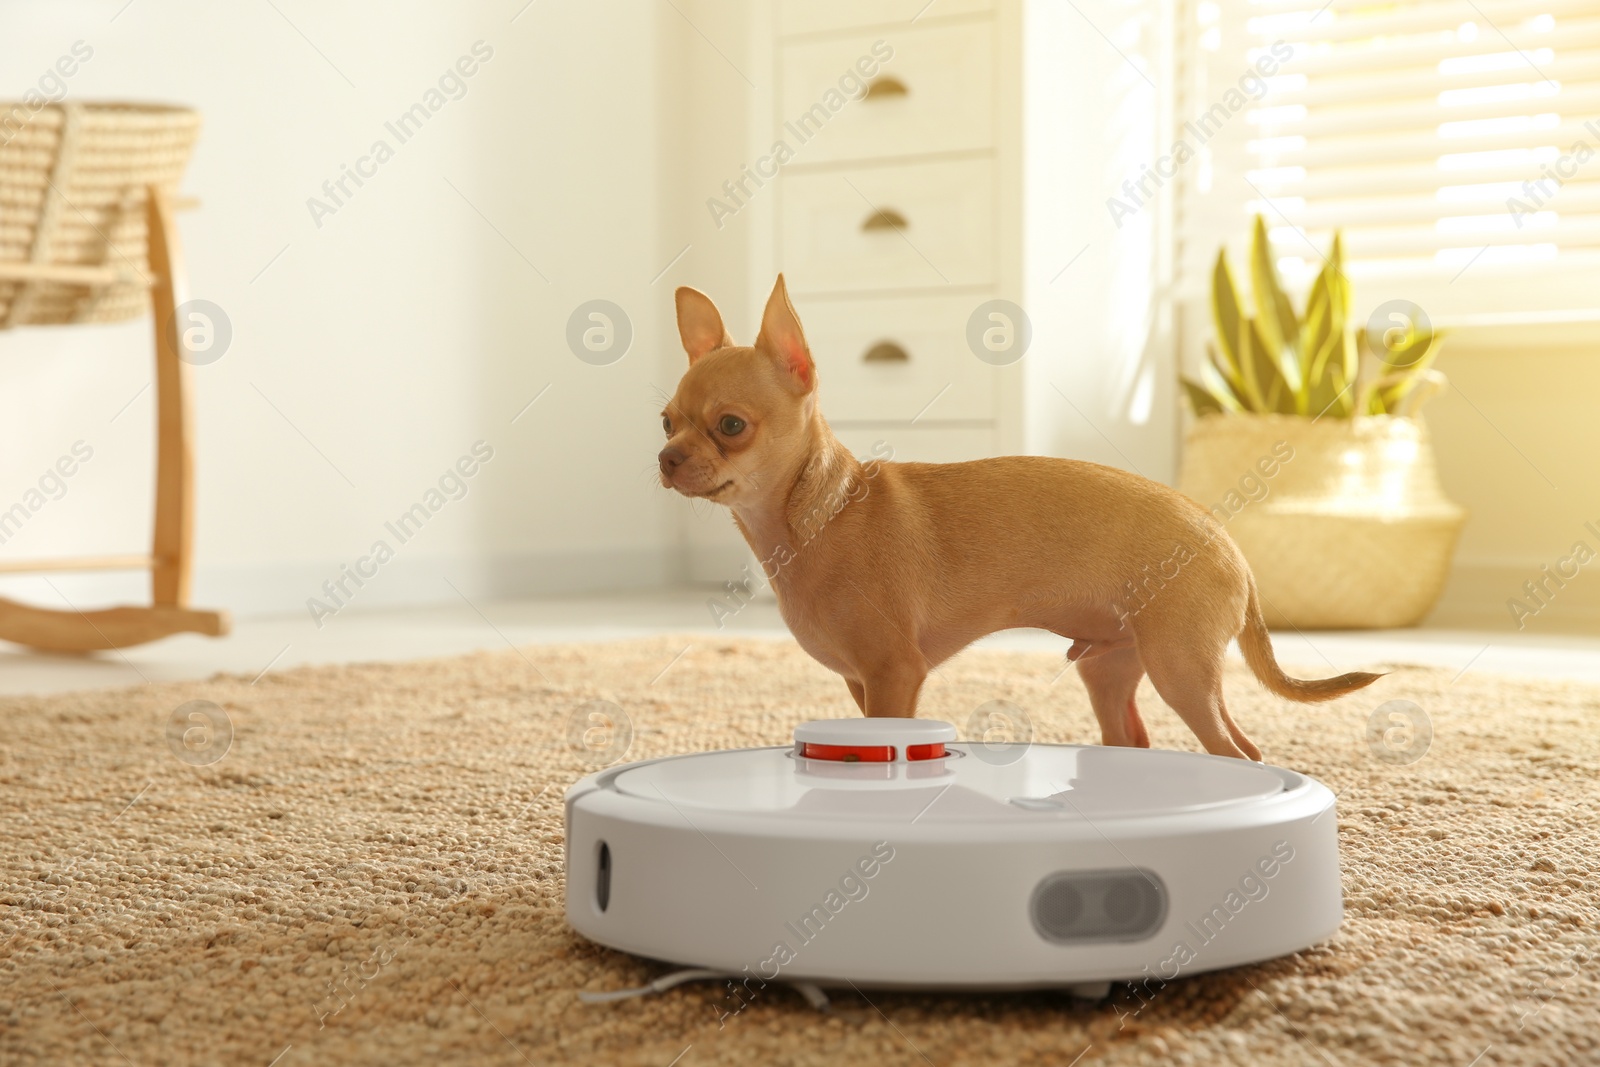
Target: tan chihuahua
885, 570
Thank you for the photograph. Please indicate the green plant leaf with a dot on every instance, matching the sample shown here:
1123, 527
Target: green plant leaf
1252, 396
1348, 356
1323, 328
1339, 289
1325, 370
1293, 380
1201, 399
1384, 396
1265, 387
1331, 396
1423, 360
1275, 315
1317, 298
1389, 394
1339, 297
1211, 379
1334, 361
1228, 317
1315, 331
1418, 349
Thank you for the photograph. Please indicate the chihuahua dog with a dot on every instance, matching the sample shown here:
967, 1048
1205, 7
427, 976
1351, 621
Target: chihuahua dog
885, 570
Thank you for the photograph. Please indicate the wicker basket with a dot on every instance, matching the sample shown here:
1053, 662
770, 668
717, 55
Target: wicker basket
1353, 531
72, 196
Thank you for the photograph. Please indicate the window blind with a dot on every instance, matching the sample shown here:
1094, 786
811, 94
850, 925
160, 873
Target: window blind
1455, 144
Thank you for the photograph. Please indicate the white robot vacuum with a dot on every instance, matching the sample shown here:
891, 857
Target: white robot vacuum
882, 852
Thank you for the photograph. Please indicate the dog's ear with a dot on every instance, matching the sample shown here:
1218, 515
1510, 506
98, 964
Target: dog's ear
699, 324
783, 340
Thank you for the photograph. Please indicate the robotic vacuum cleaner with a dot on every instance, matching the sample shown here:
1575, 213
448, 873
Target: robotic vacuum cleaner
882, 852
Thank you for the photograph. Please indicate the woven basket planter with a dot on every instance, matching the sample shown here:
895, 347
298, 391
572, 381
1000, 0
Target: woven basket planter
73, 181
1351, 531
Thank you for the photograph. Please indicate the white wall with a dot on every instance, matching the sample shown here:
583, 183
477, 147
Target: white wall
1101, 379
706, 140
408, 326
400, 332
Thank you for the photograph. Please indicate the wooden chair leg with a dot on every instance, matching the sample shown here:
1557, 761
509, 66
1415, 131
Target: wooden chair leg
173, 542
93, 631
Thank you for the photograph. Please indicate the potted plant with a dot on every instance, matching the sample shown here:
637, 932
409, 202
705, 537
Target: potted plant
1323, 474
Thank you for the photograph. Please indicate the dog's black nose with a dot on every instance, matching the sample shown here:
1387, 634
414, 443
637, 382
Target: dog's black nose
670, 458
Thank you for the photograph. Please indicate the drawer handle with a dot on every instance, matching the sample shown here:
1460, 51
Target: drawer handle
885, 219
886, 352
886, 86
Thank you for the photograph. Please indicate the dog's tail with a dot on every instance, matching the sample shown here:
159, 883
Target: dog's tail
1256, 644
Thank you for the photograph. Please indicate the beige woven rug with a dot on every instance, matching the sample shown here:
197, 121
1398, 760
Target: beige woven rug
372, 873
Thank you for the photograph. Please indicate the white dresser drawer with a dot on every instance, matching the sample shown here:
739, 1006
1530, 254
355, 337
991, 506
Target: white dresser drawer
914, 225
929, 331
935, 94
820, 16
916, 444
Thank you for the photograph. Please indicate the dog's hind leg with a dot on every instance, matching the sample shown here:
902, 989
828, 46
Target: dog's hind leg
1189, 678
1112, 679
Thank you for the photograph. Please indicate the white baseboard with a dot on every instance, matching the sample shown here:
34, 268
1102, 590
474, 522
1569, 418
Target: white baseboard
405, 581
1477, 595
1474, 598
715, 564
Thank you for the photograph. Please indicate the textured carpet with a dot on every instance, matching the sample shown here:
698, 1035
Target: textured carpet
372, 873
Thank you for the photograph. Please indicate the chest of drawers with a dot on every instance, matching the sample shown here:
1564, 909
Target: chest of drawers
890, 220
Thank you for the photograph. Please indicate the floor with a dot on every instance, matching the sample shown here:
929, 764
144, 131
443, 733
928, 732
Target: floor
259, 645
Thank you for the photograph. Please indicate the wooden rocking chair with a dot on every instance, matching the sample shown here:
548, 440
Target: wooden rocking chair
104, 201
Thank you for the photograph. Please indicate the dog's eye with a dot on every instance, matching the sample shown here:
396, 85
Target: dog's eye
730, 425
666, 424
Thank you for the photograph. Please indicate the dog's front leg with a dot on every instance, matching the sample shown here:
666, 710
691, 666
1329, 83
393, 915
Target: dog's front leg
890, 689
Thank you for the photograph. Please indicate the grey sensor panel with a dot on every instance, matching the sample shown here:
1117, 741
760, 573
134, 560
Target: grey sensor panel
1079, 906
